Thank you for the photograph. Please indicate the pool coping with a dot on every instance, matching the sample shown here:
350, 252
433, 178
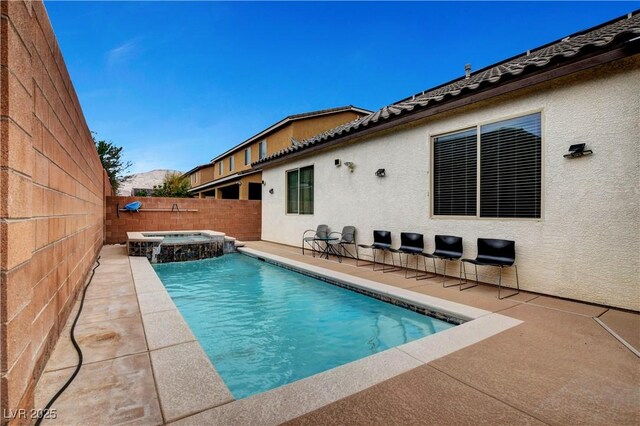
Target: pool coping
182, 400
139, 237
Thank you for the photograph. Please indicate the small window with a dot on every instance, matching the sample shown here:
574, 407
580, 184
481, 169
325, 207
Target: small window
262, 150
300, 191
232, 164
247, 156
220, 171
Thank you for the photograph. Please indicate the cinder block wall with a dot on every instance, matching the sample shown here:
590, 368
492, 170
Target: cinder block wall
241, 219
52, 198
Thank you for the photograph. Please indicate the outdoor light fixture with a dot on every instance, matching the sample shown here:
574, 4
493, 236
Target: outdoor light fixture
271, 191
264, 183
381, 173
577, 150
337, 162
350, 165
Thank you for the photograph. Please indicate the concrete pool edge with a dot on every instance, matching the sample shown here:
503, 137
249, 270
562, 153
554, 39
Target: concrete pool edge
178, 393
186, 380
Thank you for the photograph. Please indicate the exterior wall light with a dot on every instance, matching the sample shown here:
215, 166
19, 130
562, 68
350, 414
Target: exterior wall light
350, 165
271, 191
337, 162
381, 173
264, 183
577, 150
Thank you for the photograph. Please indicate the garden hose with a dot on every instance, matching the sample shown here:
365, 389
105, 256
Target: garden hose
76, 346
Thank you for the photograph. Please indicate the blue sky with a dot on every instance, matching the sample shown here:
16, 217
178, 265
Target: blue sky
177, 83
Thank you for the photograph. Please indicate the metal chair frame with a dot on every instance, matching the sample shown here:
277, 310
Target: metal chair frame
516, 291
447, 246
378, 237
342, 243
477, 262
310, 241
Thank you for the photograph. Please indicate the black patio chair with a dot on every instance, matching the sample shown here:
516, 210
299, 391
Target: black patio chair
497, 253
381, 241
448, 248
347, 238
321, 232
412, 244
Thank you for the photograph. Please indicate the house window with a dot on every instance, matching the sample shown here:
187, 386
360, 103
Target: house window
194, 179
231, 163
454, 174
492, 170
220, 166
300, 191
247, 156
262, 150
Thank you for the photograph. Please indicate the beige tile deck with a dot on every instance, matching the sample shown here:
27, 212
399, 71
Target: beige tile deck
420, 397
625, 324
560, 366
115, 391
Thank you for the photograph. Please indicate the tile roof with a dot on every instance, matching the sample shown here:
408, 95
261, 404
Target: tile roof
619, 30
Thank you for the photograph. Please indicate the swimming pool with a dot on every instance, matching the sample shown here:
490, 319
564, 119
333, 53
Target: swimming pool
263, 326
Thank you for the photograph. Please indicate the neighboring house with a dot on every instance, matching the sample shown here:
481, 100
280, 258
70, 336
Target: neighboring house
199, 177
484, 156
230, 176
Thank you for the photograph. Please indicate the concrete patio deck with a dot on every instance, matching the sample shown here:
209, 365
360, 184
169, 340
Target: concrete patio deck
559, 367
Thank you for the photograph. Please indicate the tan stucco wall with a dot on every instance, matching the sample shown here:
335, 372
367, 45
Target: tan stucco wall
281, 138
306, 128
586, 244
244, 188
52, 199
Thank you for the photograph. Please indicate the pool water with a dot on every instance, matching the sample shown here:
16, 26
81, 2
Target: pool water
263, 326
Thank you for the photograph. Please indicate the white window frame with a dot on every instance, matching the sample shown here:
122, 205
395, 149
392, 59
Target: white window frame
431, 139
220, 168
286, 190
260, 145
232, 163
247, 154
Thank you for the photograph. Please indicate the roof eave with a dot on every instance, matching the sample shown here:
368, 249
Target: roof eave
490, 90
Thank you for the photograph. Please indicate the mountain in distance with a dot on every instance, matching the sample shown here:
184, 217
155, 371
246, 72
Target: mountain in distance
144, 180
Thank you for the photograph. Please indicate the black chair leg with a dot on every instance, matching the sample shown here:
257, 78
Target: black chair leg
426, 274
366, 262
466, 281
406, 269
393, 268
384, 255
517, 291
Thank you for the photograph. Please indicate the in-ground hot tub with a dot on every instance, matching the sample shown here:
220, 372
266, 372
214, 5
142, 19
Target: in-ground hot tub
179, 246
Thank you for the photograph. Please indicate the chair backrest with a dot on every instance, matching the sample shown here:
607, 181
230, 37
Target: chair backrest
382, 237
497, 251
412, 240
322, 231
449, 244
348, 235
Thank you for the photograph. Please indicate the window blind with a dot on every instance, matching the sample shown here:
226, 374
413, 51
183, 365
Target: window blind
292, 191
510, 168
455, 174
306, 190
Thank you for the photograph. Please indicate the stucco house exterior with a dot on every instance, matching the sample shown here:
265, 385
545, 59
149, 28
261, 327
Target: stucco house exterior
486, 155
230, 175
